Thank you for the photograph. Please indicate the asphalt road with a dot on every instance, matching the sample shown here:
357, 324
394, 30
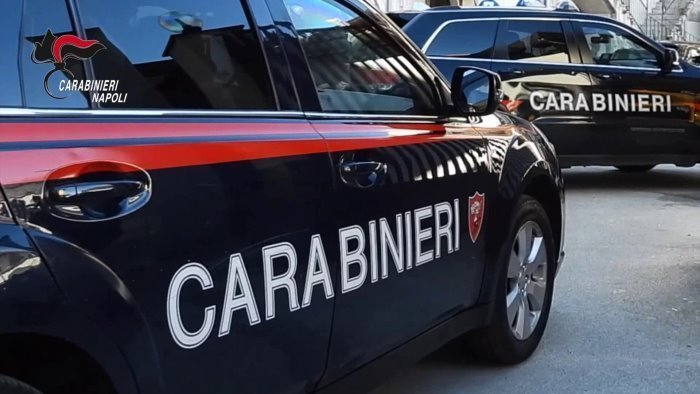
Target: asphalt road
626, 312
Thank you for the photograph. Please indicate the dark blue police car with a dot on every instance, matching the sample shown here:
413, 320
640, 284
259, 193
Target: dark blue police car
603, 93
256, 197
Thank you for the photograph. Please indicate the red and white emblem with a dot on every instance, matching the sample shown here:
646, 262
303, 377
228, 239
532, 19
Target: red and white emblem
476, 214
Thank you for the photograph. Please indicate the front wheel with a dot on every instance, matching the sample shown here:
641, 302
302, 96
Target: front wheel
527, 266
635, 168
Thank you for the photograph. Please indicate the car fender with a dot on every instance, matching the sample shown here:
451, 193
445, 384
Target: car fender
92, 288
528, 161
32, 304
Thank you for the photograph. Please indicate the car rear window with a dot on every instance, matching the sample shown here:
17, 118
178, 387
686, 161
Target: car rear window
468, 39
182, 54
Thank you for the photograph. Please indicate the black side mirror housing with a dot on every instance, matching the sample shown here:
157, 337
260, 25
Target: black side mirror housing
671, 59
475, 91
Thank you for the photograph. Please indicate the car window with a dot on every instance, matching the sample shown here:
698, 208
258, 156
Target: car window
534, 41
10, 93
178, 54
609, 45
42, 77
356, 69
471, 39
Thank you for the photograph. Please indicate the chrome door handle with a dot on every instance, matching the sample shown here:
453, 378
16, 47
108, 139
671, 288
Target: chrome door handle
96, 191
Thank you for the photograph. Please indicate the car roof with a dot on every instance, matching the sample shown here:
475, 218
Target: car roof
497, 12
685, 43
421, 25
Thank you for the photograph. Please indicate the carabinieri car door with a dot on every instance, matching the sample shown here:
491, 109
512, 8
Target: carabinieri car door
404, 180
182, 222
639, 108
543, 79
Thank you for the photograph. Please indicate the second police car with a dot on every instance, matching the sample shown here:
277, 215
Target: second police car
603, 93
256, 197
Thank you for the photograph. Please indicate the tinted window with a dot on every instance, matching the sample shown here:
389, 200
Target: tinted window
465, 39
179, 53
10, 94
612, 46
39, 17
355, 68
534, 41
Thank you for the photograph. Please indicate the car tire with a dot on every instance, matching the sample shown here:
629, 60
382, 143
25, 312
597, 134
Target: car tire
10, 385
500, 341
633, 169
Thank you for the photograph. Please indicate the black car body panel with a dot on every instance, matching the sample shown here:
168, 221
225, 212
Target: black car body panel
222, 255
618, 106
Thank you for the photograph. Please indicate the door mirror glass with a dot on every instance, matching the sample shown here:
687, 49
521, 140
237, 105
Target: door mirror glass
475, 91
671, 59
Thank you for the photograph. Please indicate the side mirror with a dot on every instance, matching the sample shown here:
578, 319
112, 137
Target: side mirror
475, 91
671, 59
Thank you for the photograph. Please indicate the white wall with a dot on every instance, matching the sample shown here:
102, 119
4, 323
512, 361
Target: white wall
395, 5
693, 28
693, 23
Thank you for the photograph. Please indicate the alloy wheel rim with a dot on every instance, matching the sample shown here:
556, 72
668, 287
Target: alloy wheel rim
526, 286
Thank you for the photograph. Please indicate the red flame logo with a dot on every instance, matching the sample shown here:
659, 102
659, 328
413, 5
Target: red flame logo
58, 50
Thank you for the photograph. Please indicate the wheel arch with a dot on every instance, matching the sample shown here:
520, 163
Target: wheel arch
543, 189
88, 285
540, 183
52, 364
